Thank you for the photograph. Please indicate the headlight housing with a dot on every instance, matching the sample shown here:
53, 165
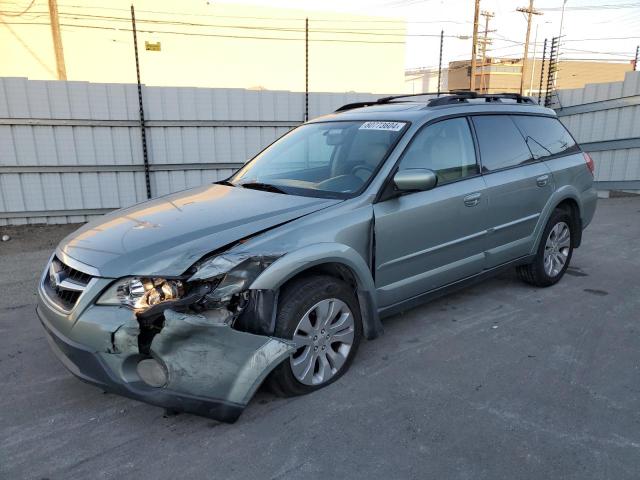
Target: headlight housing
215, 280
235, 271
140, 293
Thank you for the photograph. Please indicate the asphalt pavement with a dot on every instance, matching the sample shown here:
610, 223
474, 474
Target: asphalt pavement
499, 381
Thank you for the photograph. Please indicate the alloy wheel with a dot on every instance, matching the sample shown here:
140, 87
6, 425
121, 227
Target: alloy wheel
324, 337
556, 249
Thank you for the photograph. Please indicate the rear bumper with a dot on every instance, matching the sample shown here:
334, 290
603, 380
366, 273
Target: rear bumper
89, 366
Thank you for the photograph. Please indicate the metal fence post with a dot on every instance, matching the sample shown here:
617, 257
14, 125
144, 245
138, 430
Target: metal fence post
551, 70
143, 132
440, 61
306, 69
544, 57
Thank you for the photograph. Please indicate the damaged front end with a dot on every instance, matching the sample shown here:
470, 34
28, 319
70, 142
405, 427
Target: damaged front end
201, 343
216, 289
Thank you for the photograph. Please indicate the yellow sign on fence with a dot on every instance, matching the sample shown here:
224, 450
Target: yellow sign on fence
152, 46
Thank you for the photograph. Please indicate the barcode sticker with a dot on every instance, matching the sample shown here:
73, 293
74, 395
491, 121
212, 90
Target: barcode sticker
388, 126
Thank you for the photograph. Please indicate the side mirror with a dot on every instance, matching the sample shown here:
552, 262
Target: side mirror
415, 179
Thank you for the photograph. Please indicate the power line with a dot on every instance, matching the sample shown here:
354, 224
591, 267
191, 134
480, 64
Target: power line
514, 43
600, 39
622, 54
86, 16
289, 30
18, 14
249, 27
359, 20
615, 6
193, 34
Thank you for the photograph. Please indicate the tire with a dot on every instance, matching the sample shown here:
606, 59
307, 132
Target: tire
300, 314
554, 245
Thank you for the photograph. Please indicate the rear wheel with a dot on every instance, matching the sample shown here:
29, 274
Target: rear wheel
320, 314
554, 252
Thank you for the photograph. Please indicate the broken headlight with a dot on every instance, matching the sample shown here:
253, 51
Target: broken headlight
236, 272
141, 293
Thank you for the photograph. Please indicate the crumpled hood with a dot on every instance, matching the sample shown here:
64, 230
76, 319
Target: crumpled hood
167, 235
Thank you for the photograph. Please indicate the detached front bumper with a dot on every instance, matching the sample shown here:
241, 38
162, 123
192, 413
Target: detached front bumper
211, 369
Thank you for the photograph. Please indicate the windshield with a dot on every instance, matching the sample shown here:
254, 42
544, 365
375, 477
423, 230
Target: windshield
334, 159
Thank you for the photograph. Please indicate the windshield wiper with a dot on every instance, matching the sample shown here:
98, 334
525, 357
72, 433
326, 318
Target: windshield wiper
267, 187
225, 182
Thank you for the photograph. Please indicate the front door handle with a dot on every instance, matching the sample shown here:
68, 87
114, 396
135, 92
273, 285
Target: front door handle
542, 180
472, 199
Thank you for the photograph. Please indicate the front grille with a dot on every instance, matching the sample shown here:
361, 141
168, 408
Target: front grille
64, 284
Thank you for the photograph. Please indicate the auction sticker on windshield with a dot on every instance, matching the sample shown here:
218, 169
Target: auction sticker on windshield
388, 126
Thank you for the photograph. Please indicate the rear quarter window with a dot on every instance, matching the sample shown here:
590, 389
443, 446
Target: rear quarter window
501, 143
545, 136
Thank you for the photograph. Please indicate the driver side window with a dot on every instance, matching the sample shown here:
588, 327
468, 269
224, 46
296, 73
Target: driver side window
446, 147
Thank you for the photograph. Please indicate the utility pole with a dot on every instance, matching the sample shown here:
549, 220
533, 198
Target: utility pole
57, 40
530, 13
440, 61
533, 62
564, 4
487, 16
635, 60
474, 47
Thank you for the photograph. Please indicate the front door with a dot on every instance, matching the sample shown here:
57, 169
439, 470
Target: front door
424, 240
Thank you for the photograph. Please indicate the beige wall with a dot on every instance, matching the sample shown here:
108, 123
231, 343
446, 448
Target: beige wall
571, 74
105, 53
425, 80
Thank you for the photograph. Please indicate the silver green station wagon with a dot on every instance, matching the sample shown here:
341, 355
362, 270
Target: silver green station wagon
191, 301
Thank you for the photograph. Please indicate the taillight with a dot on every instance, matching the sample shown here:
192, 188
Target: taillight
590, 165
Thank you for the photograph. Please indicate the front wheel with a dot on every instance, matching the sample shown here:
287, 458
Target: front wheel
554, 252
321, 315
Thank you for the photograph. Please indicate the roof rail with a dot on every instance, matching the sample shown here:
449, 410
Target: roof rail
443, 98
351, 106
381, 101
408, 95
464, 96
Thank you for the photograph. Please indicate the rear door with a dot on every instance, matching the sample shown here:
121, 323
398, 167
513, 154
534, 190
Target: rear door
550, 142
518, 187
424, 240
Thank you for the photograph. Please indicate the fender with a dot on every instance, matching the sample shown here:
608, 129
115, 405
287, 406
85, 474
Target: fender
563, 193
292, 263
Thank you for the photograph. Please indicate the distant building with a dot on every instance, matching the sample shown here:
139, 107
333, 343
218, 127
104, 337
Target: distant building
204, 44
422, 80
503, 74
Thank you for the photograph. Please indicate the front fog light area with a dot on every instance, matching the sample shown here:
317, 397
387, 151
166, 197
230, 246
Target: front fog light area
152, 372
142, 293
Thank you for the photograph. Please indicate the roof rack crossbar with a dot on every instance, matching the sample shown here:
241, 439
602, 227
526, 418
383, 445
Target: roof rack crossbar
444, 98
464, 96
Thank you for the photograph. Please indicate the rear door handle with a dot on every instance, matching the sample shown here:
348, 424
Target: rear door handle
472, 199
542, 180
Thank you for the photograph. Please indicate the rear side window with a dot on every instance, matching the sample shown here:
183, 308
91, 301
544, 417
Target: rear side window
546, 136
501, 143
446, 147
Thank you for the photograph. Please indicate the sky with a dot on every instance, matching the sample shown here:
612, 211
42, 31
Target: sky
592, 29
